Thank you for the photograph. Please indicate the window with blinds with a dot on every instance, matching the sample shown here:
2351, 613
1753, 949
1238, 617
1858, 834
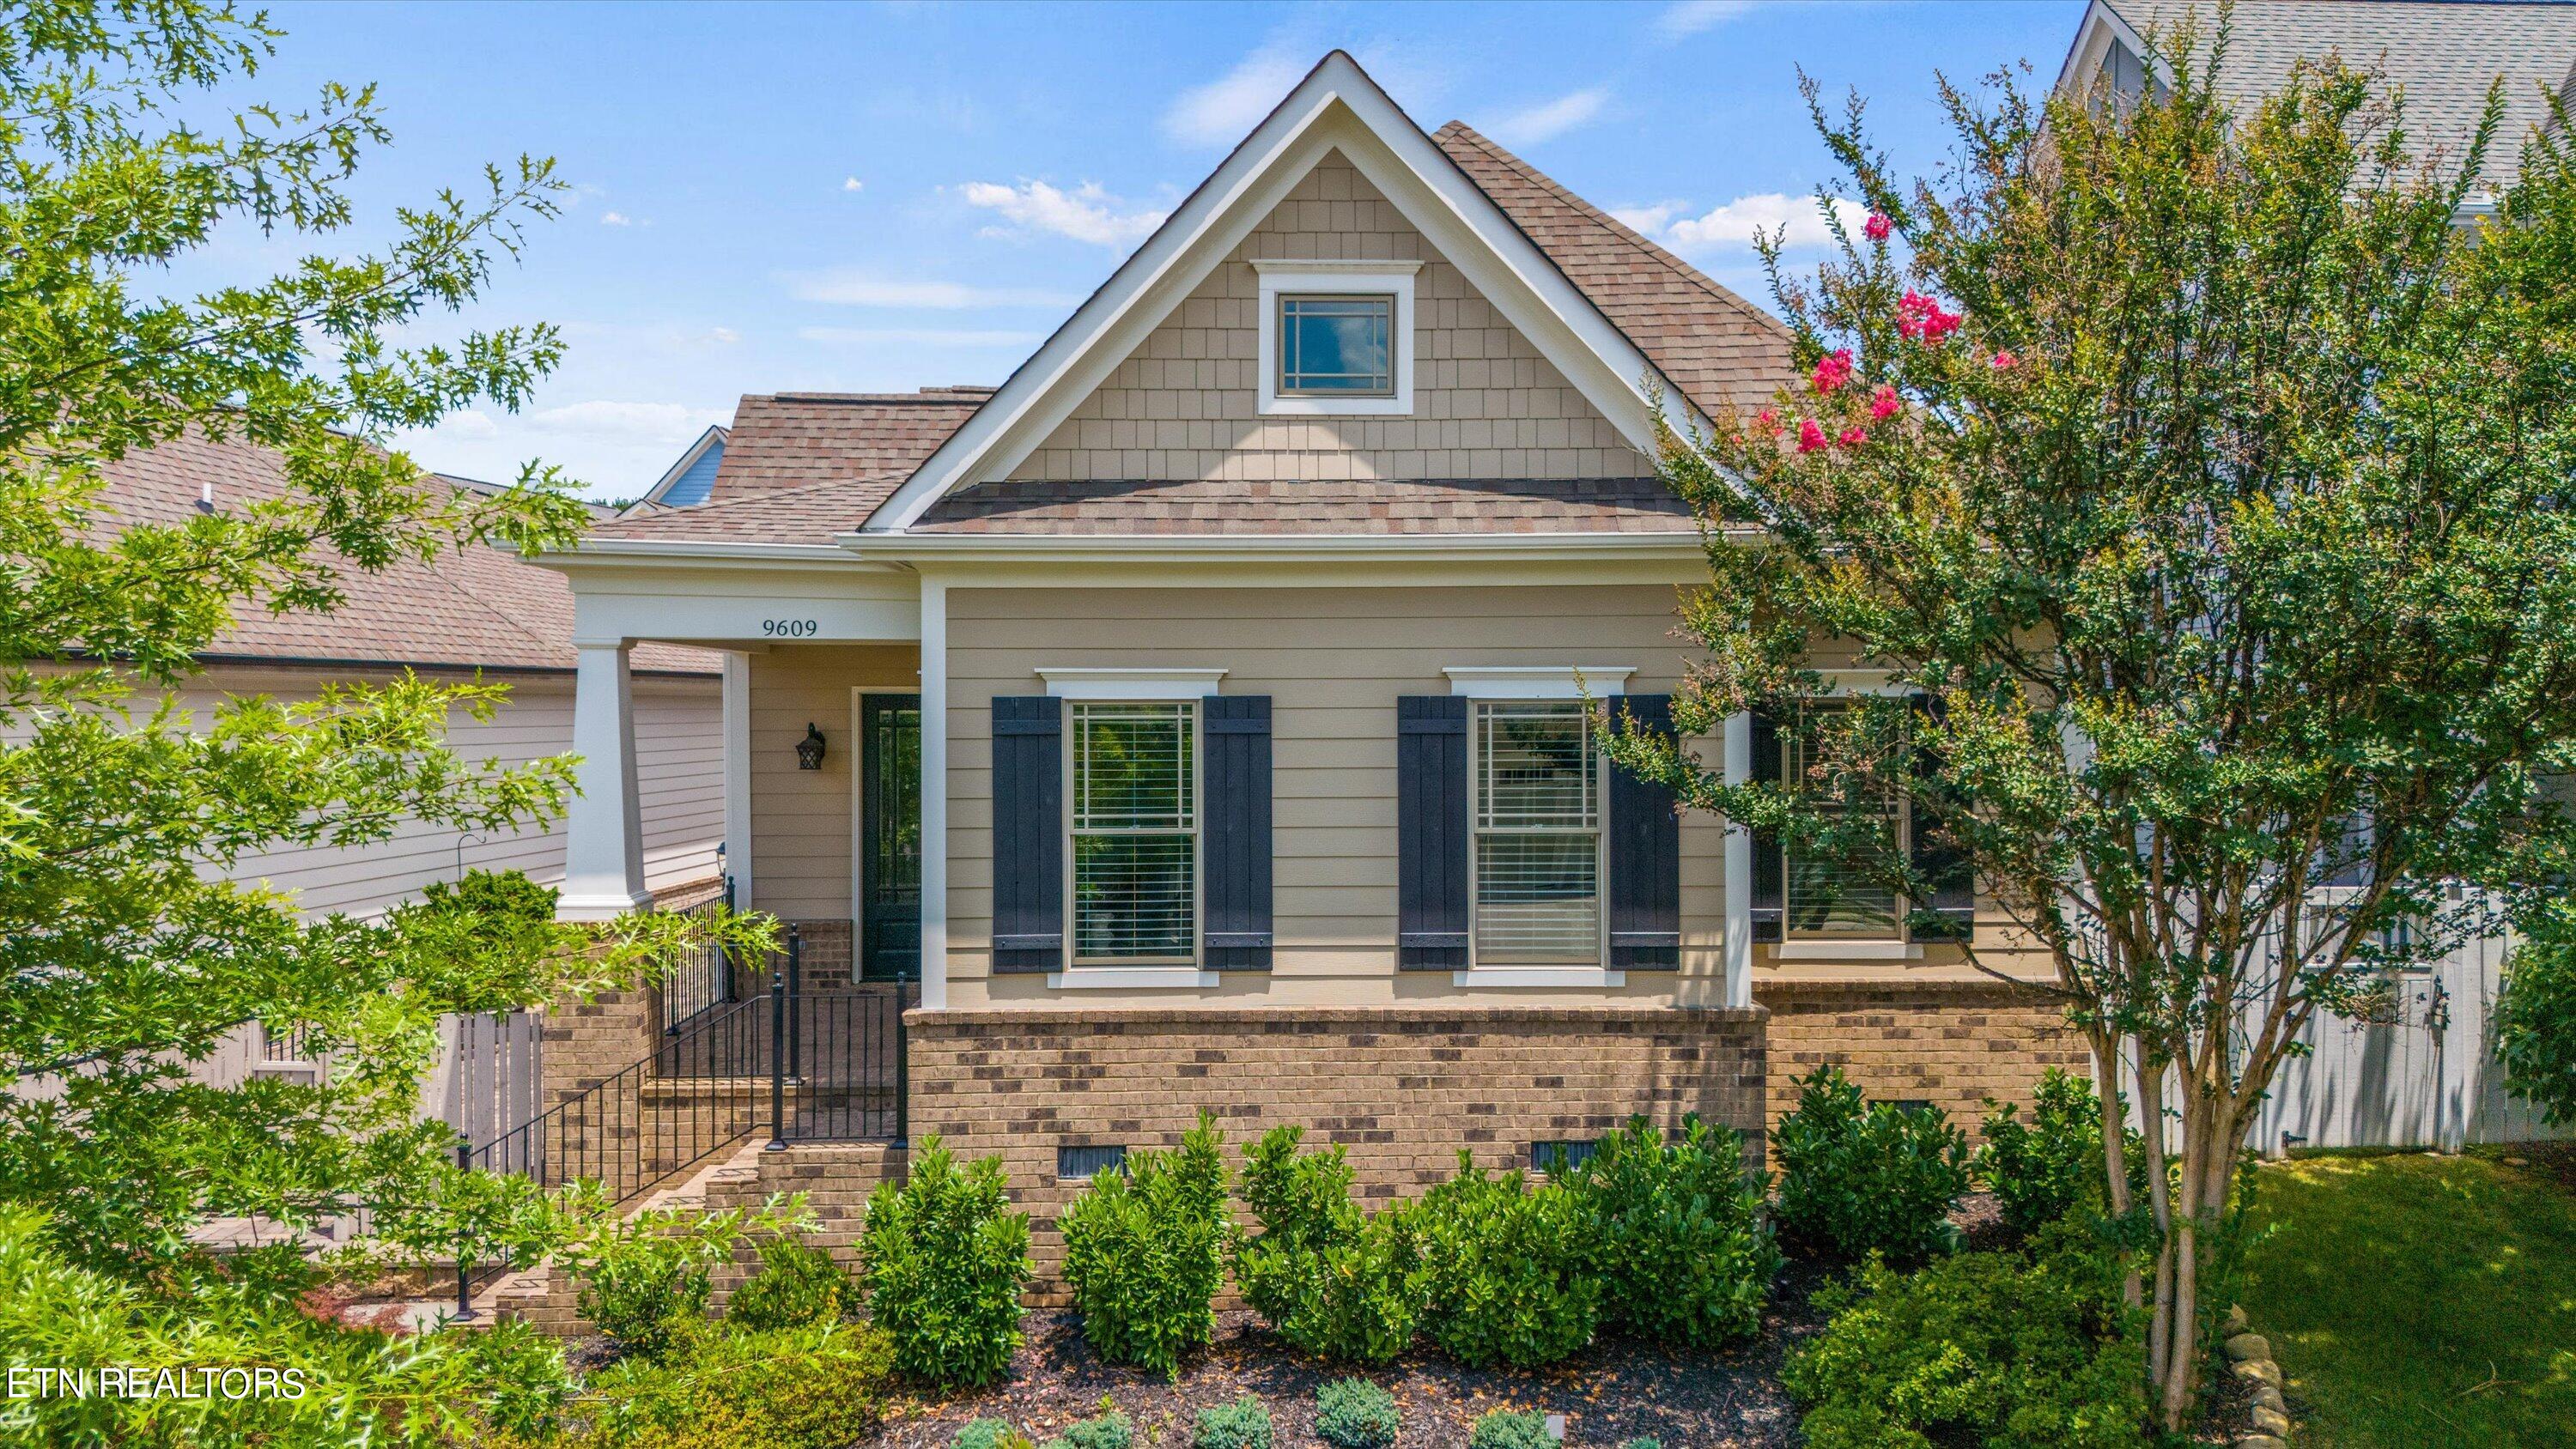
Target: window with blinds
1135, 832
1832, 898
1538, 835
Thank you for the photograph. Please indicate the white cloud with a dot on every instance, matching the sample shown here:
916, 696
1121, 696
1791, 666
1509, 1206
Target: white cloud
464, 427
658, 424
723, 336
1734, 224
1551, 119
852, 183
1648, 219
615, 218
1690, 17
851, 287
1220, 112
1086, 213
921, 336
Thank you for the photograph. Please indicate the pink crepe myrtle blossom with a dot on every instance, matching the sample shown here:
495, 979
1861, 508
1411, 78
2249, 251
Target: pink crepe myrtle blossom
1854, 436
1877, 227
1767, 420
1918, 316
2003, 362
1832, 370
1811, 435
1883, 404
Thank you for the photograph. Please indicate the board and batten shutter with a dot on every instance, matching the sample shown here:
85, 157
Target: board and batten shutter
1770, 880
1028, 833
1433, 833
1954, 886
1234, 766
1645, 856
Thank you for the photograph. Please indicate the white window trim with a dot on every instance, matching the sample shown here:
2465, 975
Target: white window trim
1872, 683
1528, 976
1130, 978
1136, 686
1539, 681
1289, 278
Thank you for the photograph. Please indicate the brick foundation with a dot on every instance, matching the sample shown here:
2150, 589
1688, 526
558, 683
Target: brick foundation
1401, 1088
1951, 1045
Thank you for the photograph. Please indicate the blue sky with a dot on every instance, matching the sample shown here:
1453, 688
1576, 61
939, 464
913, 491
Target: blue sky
879, 197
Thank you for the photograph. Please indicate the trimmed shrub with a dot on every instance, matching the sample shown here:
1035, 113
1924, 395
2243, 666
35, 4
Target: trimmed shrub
1503, 1269
990, 1434
1243, 1424
1109, 1430
797, 1285
1859, 1178
1643, 1444
1144, 1252
1503, 1429
1676, 1234
1996, 1349
643, 1290
946, 1261
814, 1387
1329, 1279
2043, 1169
1356, 1414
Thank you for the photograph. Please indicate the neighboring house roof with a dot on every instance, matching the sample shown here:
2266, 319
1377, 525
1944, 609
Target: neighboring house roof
800, 468
2443, 53
1201, 506
477, 607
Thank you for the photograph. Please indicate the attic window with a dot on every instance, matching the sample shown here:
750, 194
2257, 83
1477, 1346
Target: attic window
1337, 337
1336, 346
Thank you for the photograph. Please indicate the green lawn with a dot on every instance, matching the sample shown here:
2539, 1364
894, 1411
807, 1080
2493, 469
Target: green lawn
2417, 1301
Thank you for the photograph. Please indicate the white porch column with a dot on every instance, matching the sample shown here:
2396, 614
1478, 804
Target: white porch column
604, 828
934, 795
1738, 763
737, 774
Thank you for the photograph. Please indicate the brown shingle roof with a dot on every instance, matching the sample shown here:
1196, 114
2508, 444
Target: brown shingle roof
793, 439
1713, 345
808, 514
476, 607
1585, 505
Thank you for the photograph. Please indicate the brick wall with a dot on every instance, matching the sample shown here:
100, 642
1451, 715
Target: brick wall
1951, 1045
1402, 1088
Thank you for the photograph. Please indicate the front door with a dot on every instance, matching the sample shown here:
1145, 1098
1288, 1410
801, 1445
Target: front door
890, 850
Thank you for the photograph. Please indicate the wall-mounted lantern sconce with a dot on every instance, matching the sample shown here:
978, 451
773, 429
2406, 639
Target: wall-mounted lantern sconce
809, 750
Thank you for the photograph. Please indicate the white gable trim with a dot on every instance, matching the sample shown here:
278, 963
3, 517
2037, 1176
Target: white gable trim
714, 436
1336, 107
2094, 35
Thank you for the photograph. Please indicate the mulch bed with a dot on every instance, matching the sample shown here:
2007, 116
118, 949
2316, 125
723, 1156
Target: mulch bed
1610, 1394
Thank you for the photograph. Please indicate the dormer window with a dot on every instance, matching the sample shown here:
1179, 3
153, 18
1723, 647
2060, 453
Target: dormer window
1337, 337
1336, 346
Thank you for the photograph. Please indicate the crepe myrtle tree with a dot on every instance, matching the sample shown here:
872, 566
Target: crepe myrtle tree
129, 950
2199, 496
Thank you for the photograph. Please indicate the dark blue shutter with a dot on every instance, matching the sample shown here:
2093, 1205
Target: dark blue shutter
1937, 861
1028, 832
1645, 856
1234, 767
1770, 882
1433, 836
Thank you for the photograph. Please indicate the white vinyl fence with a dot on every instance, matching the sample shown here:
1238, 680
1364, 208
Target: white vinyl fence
2421, 1072
486, 1080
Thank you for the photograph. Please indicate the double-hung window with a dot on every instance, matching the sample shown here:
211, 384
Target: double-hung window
1538, 794
1833, 897
1135, 832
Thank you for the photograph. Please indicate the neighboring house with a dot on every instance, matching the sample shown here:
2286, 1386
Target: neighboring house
1200, 713
690, 478
479, 612
2418, 1072
2444, 54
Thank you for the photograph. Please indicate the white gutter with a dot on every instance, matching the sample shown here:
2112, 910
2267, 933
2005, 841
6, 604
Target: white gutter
609, 550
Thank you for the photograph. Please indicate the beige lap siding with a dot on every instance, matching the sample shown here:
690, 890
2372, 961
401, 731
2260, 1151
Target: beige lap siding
1334, 662
800, 819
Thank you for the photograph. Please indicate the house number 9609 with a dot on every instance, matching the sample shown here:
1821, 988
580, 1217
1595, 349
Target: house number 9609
788, 628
